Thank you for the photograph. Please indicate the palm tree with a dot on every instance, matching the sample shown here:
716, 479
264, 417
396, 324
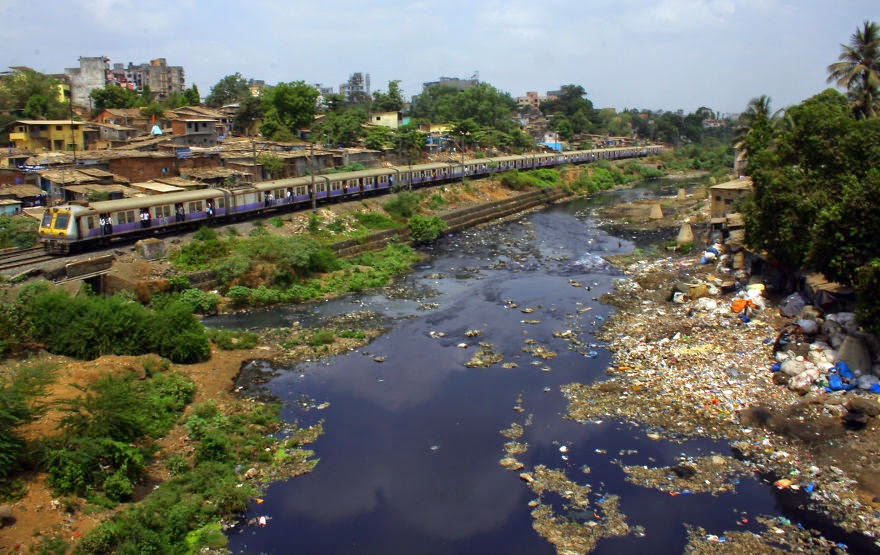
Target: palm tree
859, 69
753, 129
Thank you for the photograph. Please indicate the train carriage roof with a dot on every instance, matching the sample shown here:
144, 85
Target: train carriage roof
155, 200
288, 182
361, 173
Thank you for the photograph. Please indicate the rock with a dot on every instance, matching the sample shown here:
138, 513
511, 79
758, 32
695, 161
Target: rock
527, 478
151, 249
854, 352
866, 405
7, 518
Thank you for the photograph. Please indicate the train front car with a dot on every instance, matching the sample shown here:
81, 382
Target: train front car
59, 228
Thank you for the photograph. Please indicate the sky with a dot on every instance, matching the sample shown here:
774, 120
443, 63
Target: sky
653, 54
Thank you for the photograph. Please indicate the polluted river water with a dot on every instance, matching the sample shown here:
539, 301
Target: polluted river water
479, 341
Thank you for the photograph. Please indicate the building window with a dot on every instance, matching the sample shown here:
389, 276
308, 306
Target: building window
57, 128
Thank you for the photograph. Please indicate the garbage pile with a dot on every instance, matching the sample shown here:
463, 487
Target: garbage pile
824, 352
693, 347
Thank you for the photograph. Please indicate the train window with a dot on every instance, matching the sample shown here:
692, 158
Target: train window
47, 219
221, 202
61, 220
195, 206
90, 222
163, 211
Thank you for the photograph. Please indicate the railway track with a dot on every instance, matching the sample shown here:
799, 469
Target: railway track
9, 260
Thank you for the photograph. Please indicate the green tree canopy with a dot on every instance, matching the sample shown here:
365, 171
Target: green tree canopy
230, 89
575, 106
342, 128
17, 90
815, 203
288, 107
114, 96
392, 101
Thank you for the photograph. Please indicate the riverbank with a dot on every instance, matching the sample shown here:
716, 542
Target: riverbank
696, 368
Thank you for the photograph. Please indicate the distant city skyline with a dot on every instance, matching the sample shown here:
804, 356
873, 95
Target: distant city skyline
659, 55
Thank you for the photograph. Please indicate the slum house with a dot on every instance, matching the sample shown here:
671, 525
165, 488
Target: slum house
81, 184
10, 207
47, 135
27, 195
194, 132
217, 177
223, 121
126, 117
112, 135
296, 163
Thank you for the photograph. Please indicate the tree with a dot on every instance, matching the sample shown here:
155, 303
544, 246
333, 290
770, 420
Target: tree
228, 90
410, 142
377, 137
191, 96
392, 101
573, 103
754, 127
250, 109
287, 108
342, 129
858, 69
113, 96
16, 91
271, 163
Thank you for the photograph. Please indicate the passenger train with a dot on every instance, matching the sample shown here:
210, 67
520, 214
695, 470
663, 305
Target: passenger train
73, 227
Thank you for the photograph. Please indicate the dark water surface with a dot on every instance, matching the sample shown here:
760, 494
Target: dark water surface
409, 458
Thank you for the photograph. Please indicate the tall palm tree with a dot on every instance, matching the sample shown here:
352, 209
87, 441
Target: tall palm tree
859, 69
753, 128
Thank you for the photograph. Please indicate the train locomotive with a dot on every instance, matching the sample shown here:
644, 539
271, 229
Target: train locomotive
74, 227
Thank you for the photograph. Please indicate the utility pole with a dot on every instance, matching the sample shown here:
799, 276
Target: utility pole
254, 157
312, 172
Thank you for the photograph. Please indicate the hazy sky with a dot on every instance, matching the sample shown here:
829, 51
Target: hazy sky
657, 54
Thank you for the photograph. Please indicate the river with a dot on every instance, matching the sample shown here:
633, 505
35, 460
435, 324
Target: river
409, 458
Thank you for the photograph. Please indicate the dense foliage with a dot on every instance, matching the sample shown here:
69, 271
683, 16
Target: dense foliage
424, 229
815, 202
21, 388
86, 326
18, 231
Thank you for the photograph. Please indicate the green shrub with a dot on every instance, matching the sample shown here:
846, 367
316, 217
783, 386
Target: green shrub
337, 225
200, 302
436, 202
205, 234
117, 487
21, 388
276, 221
176, 464
314, 223
18, 231
179, 282
239, 295
424, 229
374, 220
403, 205
322, 337
229, 340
